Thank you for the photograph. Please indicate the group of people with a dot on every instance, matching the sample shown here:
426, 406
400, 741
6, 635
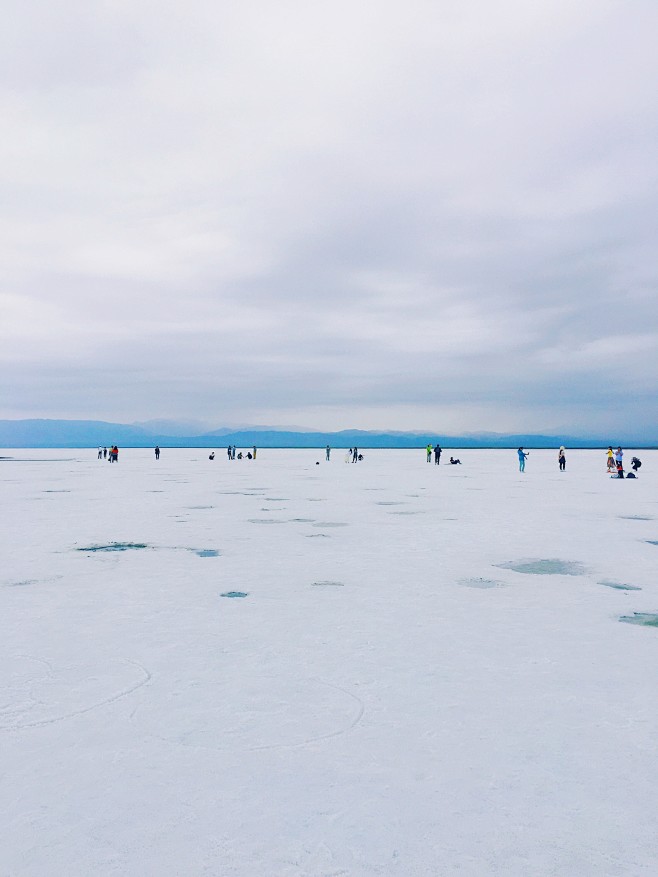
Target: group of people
112, 455
352, 456
437, 451
231, 454
616, 463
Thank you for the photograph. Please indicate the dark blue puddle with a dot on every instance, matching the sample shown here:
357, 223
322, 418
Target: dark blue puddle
234, 594
545, 567
114, 546
644, 619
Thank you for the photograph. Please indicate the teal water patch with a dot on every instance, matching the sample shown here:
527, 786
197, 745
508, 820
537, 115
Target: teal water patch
618, 586
114, 546
206, 552
481, 583
234, 594
652, 541
644, 619
545, 567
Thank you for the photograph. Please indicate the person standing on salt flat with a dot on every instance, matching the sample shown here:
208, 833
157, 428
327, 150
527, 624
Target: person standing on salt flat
348, 456
100, 453
562, 459
355, 455
327, 453
429, 453
254, 452
157, 452
619, 458
611, 459
228, 452
437, 455
522, 455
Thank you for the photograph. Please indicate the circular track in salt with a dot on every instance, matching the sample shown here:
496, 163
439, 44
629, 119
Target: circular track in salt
34, 692
234, 713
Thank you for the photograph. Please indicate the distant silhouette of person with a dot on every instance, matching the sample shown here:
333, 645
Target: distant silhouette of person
635, 464
360, 457
437, 455
428, 451
100, 453
254, 452
157, 452
562, 459
522, 457
455, 462
104, 453
212, 456
619, 457
611, 459
240, 455
250, 456
327, 452
355, 455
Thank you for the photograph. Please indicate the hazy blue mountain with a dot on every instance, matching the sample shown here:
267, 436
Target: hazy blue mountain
92, 433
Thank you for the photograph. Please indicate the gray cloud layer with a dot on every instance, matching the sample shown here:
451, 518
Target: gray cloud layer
370, 214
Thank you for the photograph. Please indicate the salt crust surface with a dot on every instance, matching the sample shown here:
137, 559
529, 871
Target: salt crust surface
418, 690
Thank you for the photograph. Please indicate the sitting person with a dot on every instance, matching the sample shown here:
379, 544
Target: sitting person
635, 464
212, 456
455, 462
620, 469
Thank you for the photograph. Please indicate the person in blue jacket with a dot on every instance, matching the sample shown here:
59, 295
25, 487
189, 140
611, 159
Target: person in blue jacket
522, 455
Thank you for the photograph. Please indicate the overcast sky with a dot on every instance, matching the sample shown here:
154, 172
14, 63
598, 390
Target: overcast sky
364, 213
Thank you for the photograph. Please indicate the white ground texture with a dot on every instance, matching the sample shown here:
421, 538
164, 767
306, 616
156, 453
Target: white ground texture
427, 674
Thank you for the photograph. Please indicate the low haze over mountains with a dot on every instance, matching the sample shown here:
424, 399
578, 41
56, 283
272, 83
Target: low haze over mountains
91, 433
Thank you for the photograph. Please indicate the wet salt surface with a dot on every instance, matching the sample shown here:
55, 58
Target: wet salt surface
546, 567
644, 619
618, 586
437, 660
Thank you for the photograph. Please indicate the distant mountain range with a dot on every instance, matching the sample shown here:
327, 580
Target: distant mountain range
92, 433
